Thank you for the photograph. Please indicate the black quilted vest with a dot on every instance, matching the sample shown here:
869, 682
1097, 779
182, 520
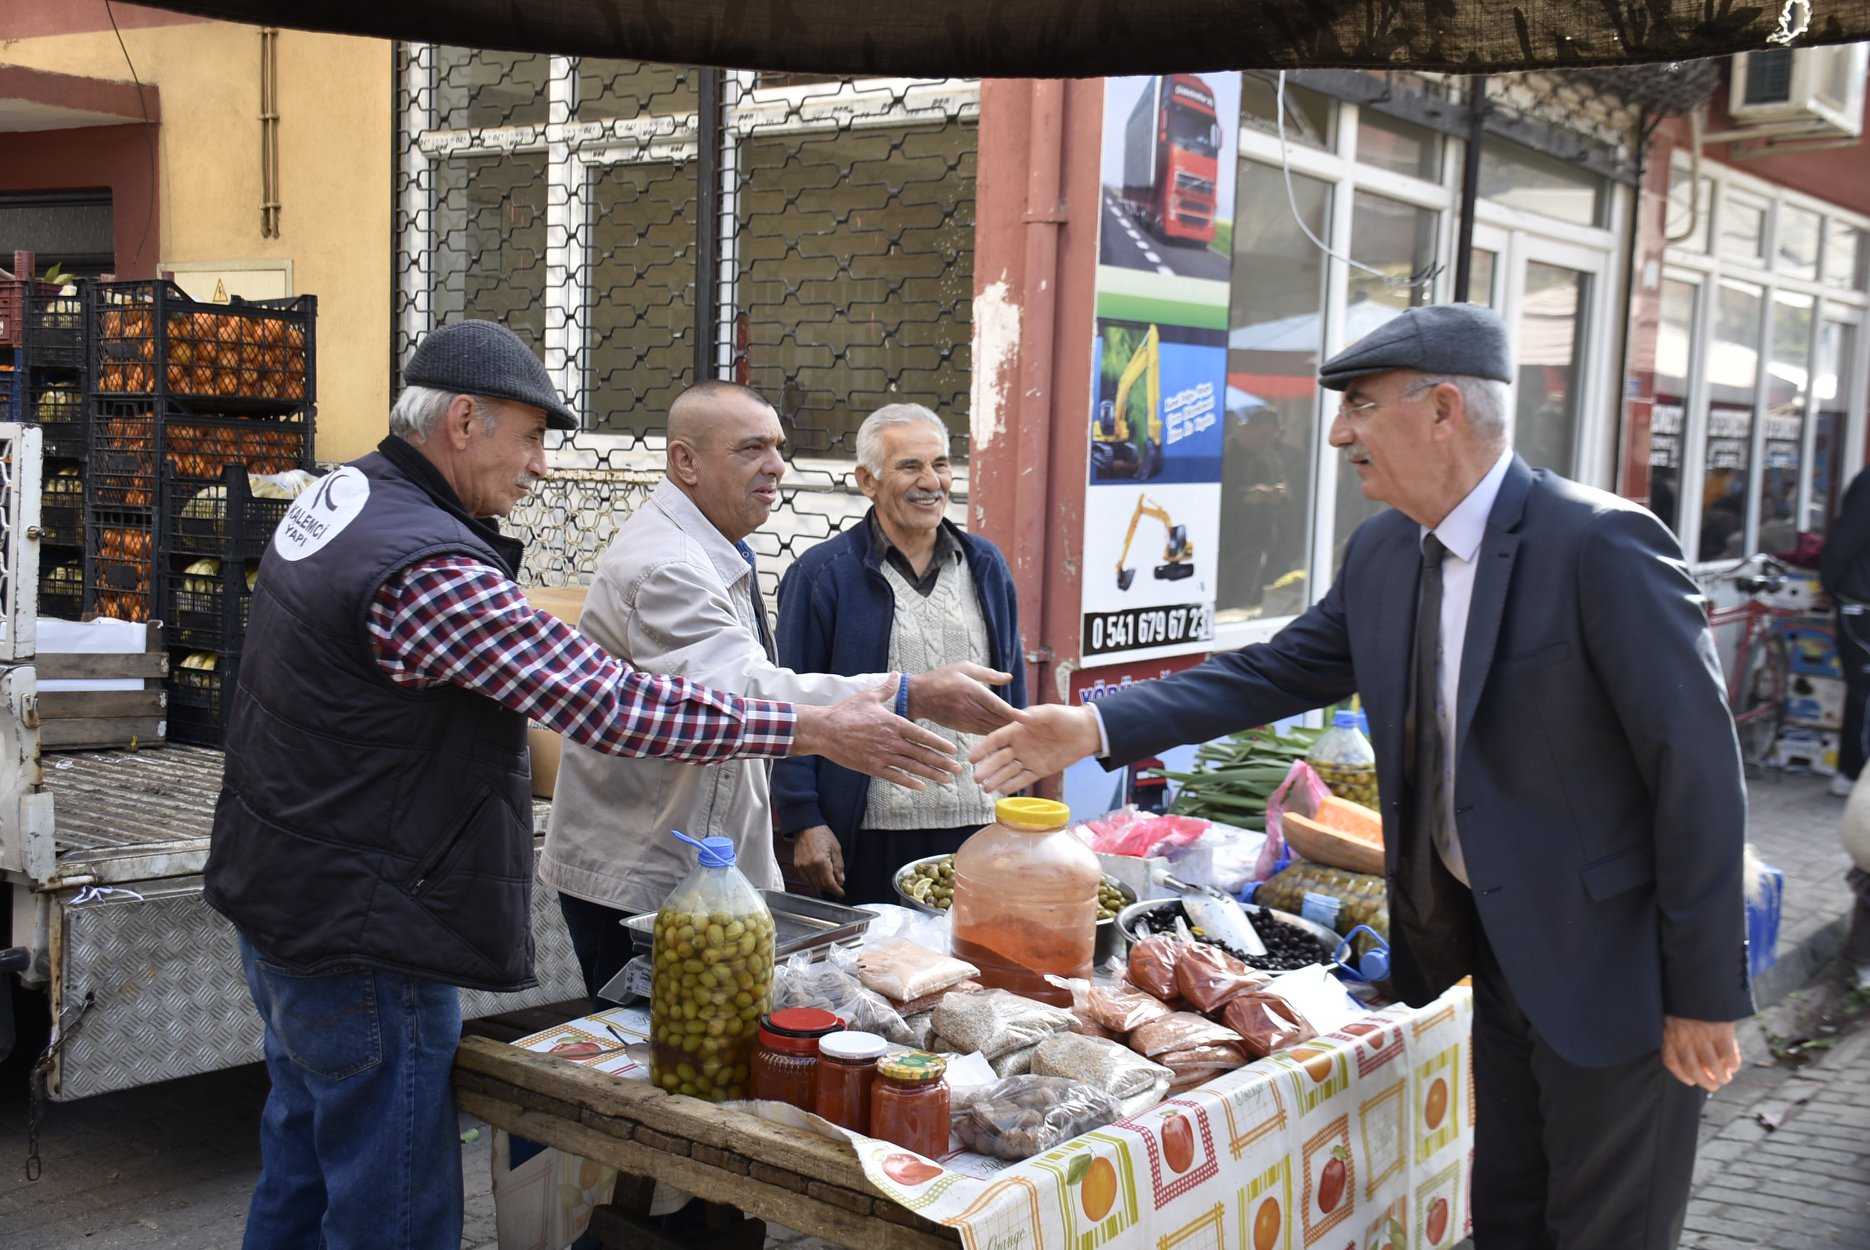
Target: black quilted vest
360, 822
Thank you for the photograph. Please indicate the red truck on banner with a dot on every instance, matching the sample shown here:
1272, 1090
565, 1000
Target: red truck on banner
1169, 149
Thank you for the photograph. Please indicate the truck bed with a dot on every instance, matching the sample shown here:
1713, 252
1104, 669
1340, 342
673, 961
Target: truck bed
137, 815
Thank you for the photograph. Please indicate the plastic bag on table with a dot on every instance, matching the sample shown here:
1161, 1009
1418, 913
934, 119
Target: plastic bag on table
1132, 1080
1302, 791
893, 921
1233, 855
995, 1022
1209, 978
1198, 1065
1107, 1011
1026, 1115
802, 982
1156, 835
1266, 1023
1152, 965
1017, 1062
1180, 1030
904, 971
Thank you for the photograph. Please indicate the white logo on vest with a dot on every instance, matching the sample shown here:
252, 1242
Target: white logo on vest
320, 515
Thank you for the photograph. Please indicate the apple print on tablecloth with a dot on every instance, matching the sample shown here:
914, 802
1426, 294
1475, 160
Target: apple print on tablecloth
1376, 1042
1330, 1193
1438, 1206
1180, 1144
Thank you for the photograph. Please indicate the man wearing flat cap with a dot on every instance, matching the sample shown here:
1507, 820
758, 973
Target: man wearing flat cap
373, 839
1561, 786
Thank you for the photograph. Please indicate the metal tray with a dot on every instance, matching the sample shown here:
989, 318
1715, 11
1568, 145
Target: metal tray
799, 923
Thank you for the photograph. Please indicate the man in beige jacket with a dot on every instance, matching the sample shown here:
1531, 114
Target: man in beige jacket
677, 593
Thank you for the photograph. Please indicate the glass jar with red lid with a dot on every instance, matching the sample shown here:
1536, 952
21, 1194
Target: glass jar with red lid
847, 1068
787, 1055
909, 1103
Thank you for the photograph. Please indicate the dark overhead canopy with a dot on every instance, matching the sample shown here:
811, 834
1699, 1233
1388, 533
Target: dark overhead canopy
1074, 38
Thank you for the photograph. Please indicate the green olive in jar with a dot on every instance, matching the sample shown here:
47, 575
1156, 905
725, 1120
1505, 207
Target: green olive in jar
705, 1007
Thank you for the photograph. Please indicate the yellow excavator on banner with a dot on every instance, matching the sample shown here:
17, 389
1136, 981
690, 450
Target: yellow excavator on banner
1121, 447
1178, 553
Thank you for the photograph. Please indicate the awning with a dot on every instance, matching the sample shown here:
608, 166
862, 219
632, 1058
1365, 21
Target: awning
1077, 38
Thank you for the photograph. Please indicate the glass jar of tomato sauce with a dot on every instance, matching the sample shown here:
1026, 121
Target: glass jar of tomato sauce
847, 1068
909, 1104
787, 1057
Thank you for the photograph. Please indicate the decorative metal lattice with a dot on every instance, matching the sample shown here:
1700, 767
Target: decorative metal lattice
644, 226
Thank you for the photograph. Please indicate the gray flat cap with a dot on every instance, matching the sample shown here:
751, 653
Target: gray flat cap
486, 358
1463, 339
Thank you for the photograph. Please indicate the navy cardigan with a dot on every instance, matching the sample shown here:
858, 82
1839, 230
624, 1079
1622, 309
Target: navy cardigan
836, 613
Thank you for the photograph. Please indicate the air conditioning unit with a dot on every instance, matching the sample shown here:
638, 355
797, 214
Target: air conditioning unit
1804, 92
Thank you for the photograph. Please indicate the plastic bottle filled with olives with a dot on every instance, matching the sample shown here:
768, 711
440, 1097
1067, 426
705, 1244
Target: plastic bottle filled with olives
1344, 761
711, 978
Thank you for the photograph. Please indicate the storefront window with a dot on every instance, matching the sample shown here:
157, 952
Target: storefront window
1844, 256
1675, 337
1480, 290
629, 89
1831, 386
476, 89
489, 242
1275, 330
1552, 340
1796, 242
1788, 365
1398, 241
1308, 113
1398, 146
1742, 228
1733, 378
1532, 182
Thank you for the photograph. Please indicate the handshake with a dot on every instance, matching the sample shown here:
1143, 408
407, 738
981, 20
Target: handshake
1021, 746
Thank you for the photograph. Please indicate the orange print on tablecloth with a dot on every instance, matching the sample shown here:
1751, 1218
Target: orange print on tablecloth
1265, 1209
1330, 1170
1437, 1084
1318, 1072
1097, 1179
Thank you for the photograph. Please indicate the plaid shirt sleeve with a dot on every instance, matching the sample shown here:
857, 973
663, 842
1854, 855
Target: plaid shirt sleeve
454, 620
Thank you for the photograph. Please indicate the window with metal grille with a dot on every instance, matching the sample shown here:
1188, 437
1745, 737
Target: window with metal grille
643, 226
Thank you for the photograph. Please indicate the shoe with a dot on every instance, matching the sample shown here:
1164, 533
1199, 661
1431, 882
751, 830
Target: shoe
1841, 786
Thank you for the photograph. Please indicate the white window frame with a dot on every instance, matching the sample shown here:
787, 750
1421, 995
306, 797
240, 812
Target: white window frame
1709, 269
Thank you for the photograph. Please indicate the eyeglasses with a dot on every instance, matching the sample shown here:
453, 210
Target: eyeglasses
1362, 406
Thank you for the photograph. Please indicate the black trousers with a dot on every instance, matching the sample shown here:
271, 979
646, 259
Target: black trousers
1854, 658
601, 942
872, 857
1567, 1157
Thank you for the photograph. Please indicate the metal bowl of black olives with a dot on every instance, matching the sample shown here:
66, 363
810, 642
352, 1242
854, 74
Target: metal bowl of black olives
1291, 941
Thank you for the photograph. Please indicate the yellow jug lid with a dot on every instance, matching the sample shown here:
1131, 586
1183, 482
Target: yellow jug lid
1032, 815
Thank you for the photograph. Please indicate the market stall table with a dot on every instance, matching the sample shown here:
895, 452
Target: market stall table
1361, 1138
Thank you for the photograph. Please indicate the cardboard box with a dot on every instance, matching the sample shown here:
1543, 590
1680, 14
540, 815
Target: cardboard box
1817, 702
567, 604
1807, 750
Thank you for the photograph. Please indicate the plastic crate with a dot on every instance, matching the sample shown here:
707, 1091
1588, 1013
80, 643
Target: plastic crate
36, 317
58, 408
129, 439
61, 588
198, 698
206, 611
121, 589
218, 516
12, 394
61, 524
150, 338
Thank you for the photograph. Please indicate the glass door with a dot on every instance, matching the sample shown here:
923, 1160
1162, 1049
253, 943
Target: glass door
1552, 330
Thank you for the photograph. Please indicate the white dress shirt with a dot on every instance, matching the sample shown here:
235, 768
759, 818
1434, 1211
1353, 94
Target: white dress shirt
1460, 532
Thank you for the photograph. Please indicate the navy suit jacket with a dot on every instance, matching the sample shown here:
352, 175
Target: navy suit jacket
1598, 786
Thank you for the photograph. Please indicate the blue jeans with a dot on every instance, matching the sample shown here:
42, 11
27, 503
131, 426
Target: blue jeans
358, 1142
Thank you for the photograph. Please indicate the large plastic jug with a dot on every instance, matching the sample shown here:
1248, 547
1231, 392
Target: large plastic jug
1025, 900
711, 977
1343, 759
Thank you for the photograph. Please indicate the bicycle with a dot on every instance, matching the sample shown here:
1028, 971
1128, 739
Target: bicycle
1760, 676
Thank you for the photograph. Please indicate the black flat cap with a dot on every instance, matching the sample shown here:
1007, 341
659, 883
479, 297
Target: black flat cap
1466, 340
486, 358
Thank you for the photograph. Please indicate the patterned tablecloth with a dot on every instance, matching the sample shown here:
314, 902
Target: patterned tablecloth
1360, 1140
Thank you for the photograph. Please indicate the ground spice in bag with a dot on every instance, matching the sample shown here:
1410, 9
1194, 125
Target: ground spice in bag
1209, 978
1180, 1030
1123, 1008
905, 971
1152, 965
1266, 1022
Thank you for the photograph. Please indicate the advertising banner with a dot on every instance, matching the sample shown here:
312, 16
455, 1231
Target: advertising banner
1159, 365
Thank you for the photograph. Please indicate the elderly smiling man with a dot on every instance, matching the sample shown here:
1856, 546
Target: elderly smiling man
373, 839
677, 592
1563, 806
906, 589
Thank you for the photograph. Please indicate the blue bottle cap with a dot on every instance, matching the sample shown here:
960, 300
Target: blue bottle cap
710, 852
1344, 720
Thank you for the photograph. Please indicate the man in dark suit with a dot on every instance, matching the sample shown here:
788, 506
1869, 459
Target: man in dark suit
1562, 795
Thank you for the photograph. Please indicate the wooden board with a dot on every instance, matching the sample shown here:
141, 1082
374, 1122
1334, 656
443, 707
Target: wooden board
145, 664
113, 731
72, 704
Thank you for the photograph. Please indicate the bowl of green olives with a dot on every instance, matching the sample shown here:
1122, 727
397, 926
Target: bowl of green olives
928, 885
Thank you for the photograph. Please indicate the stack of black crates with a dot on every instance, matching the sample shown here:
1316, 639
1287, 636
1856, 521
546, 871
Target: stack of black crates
188, 398
42, 380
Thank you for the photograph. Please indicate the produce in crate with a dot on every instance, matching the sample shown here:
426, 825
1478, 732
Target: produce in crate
1237, 774
711, 979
